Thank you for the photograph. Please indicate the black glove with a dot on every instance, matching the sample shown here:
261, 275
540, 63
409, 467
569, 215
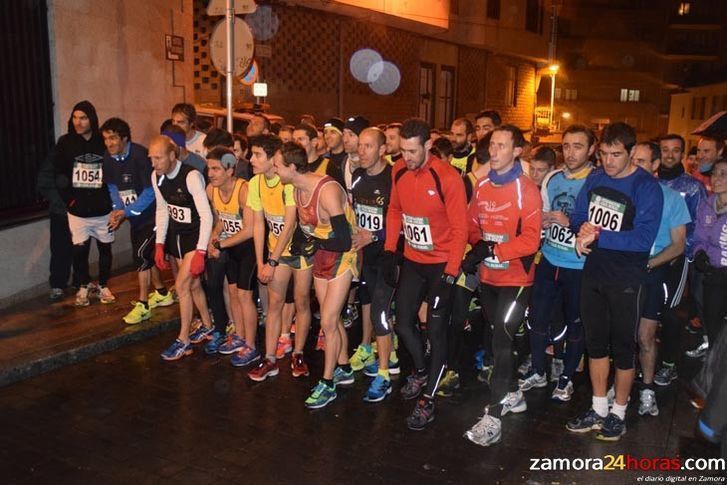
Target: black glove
443, 292
701, 261
390, 266
480, 251
302, 245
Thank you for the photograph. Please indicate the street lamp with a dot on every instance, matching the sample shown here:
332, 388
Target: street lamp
553, 68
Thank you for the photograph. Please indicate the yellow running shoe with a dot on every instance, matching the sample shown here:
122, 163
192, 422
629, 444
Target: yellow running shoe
157, 299
138, 314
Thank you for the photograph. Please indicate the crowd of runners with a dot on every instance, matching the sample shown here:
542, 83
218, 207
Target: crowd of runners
446, 245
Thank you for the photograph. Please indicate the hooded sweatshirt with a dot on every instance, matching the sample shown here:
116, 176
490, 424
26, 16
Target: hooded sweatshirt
78, 167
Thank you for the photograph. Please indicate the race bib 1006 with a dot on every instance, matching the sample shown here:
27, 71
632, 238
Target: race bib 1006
87, 175
418, 233
369, 218
183, 215
606, 213
128, 197
231, 223
559, 237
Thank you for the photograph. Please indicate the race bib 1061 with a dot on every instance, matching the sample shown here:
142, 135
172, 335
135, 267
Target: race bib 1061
183, 215
87, 175
418, 233
606, 213
369, 218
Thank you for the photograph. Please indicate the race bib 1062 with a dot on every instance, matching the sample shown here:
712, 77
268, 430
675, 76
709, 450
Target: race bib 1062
183, 215
606, 213
87, 175
369, 218
559, 237
418, 233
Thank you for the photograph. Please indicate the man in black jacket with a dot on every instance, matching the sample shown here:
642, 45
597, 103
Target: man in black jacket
78, 167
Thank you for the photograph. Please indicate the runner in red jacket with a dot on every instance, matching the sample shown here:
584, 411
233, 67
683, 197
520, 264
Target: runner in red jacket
428, 203
504, 220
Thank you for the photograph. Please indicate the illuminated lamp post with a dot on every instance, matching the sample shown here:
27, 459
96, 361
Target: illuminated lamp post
553, 68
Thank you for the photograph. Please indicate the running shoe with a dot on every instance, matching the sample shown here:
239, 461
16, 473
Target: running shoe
372, 370
157, 299
56, 294
284, 346
532, 380
82, 297
564, 390
485, 374
343, 378
298, 366
321, 341
694, 326
666, 375
264, 369
245, 356
487, 431
448, 384
177, 350
524, 368
378, 389
422, 415
588, 421
647, 403
233, 343
513, 402
556, 369
349, 316
362, 357
321, 396
414, 386
201, 334
137, 314
612, 429
105, 296
216, 339
700, 351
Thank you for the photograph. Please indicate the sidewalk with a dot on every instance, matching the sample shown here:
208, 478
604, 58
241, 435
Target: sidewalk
38, 336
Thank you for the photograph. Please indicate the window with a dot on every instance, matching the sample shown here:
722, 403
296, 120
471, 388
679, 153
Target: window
630, 96
511, 86
571, 94
493, 9
701, 106
558, 93
684, 8
534, 16
715, 105
426, 93
694, 109
445, 107
27, 94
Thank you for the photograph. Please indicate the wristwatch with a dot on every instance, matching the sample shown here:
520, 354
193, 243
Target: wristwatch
374, 238
449, 279
216, 245
273, 262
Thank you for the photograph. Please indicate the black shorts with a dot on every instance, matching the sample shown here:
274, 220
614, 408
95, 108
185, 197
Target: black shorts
242, 269
178, 245
142, 246
654, 289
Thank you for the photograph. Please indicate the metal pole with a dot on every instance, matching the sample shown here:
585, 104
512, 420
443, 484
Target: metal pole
552, 98
229, 70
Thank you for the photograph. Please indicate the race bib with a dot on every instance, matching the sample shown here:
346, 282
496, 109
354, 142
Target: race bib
369, 218
231, 224
493, 262
275, 224
87, 175
605, 213
559, 237
417, 233
183, 215
128, 197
